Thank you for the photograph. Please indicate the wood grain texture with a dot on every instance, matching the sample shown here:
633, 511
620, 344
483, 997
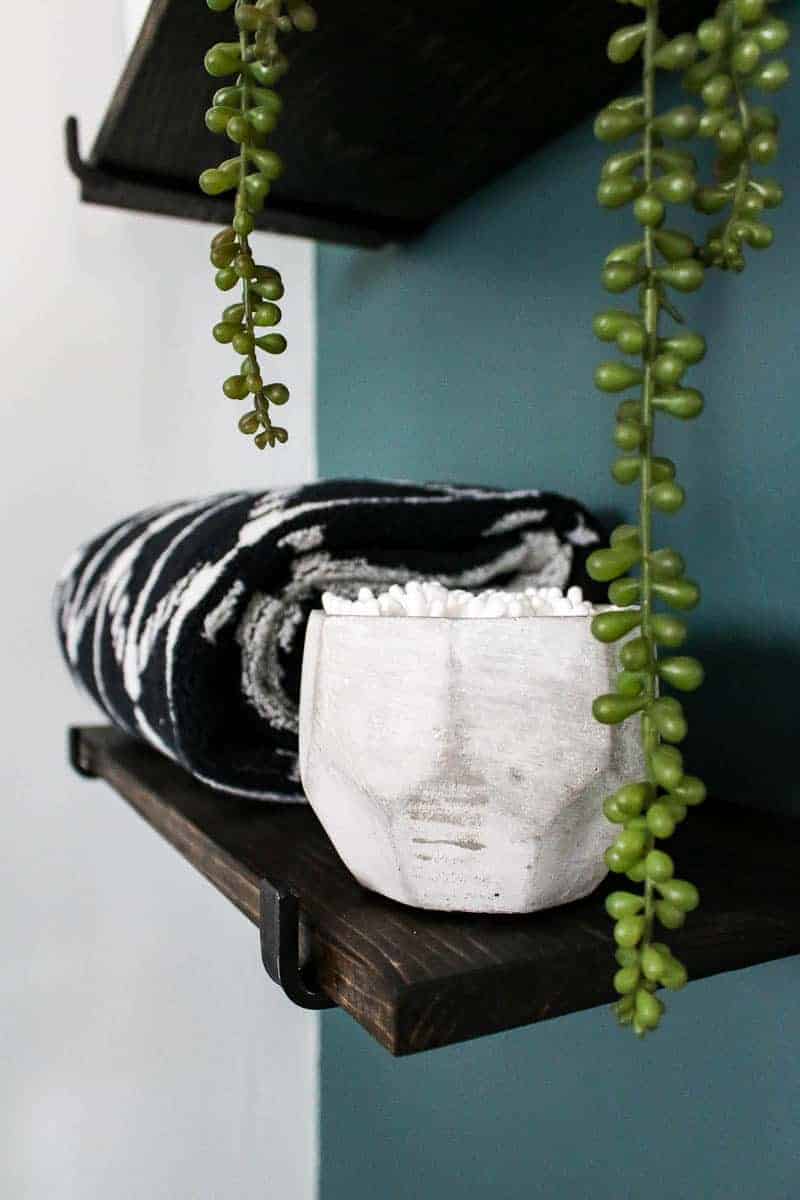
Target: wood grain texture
396, 110
416, 980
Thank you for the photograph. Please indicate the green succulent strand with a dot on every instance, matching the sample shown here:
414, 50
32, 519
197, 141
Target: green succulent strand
738, 42
247, 112
726, 58
653, 176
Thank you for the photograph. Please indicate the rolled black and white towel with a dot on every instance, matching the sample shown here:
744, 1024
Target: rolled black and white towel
186, 622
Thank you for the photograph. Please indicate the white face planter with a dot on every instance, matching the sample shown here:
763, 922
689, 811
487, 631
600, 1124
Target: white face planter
455, 764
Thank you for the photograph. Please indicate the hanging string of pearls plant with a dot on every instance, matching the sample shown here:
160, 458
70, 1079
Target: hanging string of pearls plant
723, 64
246, 112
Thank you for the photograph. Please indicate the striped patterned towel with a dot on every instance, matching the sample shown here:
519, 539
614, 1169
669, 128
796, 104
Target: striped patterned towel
186, 622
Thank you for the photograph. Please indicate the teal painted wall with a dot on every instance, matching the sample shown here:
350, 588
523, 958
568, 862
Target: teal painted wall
469, 356
574, 1109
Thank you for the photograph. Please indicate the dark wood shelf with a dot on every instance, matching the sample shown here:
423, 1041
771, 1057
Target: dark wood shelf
416, 980
396, 110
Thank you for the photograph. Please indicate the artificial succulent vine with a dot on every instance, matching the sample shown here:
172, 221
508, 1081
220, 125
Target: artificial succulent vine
721, 63
247, 112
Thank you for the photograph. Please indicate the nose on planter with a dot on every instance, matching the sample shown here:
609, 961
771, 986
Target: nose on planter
455, 764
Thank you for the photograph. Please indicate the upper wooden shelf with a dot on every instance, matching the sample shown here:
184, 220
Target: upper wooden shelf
416, 980
396, 110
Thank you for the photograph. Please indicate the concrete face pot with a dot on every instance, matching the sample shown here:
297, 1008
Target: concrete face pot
455, 764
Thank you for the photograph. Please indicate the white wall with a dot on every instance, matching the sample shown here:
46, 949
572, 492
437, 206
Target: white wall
144, 1053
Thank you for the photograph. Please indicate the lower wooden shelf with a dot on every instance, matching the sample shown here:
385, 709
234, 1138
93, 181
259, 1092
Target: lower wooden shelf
417, 980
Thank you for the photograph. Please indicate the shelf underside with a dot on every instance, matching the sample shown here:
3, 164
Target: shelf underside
396, 110
416, 980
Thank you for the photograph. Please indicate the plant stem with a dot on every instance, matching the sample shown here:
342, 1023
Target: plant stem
650, 304
745, 167
244, 241
259, 399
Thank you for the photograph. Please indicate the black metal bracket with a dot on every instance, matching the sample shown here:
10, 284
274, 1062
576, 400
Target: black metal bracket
280, 947
79, 758
280, 917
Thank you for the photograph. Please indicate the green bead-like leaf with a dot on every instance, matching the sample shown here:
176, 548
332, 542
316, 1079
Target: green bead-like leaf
622, 163
630, 683
629, 930
635, 654
620, 276
626, 470
653, 963
605, 565
691, 347
668, 631
224, 332
262, 119
616, 376
223, 59
267, 74
623, 592
607, 324
681, 894
273, 343
627, 435
266, 314
772, 35
668, 718
682, 672
686, 275
611, 709
213, 182
711, 199
675, 976
625, 42
746, 56
678, 122
675, 187
674, 246
267, 161
700, 72
772, 76
677, 54
226, 279
712, 35
277, 393
666, 763
682, 594
669, 916
618, 190
666, 564
667, 497
718, 90
769, 190
611, 125
648, 1010
611, 626
628, 534
235, 387
691, 791
658, 866
249, 423
684, 403
625, 980
661, 469
668, 368
612, 811
217, 118
661, 824
623, 904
